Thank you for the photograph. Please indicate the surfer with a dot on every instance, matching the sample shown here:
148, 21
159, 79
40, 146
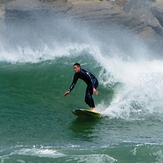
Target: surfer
89, 79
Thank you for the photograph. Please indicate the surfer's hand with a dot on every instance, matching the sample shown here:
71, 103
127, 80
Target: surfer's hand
66, 93
95, 91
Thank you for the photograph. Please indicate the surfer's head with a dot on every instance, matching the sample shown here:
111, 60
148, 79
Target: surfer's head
76, 67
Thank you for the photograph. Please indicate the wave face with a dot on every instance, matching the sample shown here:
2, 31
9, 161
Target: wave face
36, 123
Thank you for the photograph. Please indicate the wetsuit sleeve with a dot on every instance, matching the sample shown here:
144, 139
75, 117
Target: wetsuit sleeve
75, 79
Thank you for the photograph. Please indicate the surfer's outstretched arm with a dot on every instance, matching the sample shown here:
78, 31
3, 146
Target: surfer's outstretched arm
75, 79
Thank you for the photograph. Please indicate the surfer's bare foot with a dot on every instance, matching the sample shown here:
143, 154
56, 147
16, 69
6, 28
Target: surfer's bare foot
93, 109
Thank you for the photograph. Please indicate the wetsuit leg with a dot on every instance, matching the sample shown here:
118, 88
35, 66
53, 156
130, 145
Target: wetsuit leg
88, 96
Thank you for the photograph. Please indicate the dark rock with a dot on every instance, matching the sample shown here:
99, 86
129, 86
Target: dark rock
140, 16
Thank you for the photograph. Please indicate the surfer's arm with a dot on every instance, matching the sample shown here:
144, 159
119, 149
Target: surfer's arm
92, 78
75, 79
72, 85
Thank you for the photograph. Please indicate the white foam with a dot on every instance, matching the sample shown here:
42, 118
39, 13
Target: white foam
50, 153
141, 92
92, 157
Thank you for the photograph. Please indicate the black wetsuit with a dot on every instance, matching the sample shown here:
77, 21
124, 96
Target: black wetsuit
91, 82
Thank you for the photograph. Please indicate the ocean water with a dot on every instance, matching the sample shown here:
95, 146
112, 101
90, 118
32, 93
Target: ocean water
36, 120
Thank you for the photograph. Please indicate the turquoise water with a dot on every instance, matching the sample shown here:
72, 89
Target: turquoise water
36, 120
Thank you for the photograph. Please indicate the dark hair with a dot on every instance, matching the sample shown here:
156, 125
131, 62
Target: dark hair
77, 64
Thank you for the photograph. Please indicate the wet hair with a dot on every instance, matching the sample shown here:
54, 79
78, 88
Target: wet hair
77, 64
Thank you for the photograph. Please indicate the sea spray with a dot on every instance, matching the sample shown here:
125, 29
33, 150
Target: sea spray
140, 95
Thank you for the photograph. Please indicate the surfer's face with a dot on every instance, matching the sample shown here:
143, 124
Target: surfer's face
77, 68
